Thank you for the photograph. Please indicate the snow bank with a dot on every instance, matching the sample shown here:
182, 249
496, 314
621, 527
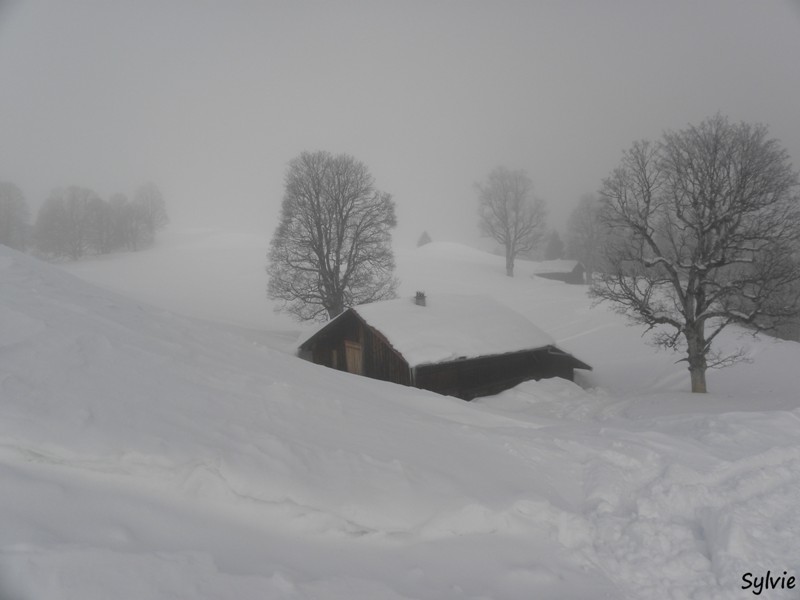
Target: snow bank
206, 274
146, 455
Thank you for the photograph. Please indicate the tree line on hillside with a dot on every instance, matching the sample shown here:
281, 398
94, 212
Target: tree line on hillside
75, 221
15, 229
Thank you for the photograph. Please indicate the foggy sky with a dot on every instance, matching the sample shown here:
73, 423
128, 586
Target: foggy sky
210, 100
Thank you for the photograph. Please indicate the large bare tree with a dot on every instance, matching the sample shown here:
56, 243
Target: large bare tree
707, 224
332, 248
510, 214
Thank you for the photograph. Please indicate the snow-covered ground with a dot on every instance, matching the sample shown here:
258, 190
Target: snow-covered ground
145, 453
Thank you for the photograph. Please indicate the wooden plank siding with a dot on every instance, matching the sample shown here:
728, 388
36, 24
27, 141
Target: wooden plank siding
379, 360
489, 375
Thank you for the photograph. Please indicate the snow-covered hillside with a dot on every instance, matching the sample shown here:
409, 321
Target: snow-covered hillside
146, 454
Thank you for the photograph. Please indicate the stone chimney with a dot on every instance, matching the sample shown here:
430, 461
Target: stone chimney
419, 299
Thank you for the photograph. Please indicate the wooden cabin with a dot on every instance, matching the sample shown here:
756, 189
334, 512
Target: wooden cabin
464, 346
568, 271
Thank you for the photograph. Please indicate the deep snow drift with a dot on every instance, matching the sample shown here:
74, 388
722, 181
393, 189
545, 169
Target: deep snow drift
144, 454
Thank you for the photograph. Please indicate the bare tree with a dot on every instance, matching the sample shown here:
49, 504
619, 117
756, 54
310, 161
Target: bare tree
49, 231
332, 248
63, 225
708, 226
14, 216
100, 226
555, 247
147, 215
510, 214
123, 228
585, 234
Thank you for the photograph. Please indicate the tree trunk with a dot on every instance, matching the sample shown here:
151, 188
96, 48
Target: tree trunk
335, 304
509, 263
695, 342
335, 310
698, 381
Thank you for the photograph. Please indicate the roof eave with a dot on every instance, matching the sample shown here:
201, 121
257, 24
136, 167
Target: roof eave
304, 344
576, 363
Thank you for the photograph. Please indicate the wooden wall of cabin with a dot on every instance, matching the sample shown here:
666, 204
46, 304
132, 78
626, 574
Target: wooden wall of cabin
555, 365
379, 360
328, 348
489, 375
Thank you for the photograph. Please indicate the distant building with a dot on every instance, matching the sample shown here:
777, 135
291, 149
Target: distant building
568, 271
464, 346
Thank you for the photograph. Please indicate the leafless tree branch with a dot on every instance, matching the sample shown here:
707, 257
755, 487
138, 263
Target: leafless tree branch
705, 232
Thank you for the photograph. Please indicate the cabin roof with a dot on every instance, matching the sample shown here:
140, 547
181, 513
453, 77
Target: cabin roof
561, 265
449, 327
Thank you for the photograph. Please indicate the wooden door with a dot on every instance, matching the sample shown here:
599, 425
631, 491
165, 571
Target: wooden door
354, 357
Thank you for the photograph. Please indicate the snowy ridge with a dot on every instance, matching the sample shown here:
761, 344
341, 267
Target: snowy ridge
147, 455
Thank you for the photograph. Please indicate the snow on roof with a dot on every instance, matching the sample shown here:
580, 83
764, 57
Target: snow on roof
451, 327
561, 265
